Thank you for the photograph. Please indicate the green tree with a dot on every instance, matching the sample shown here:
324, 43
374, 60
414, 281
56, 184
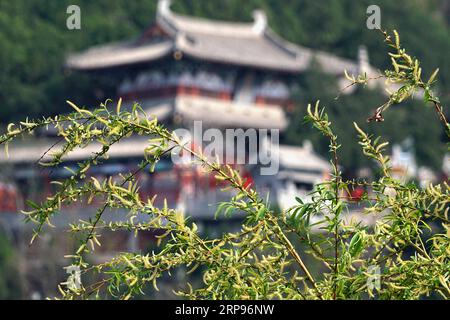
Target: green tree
262, 260
402, 124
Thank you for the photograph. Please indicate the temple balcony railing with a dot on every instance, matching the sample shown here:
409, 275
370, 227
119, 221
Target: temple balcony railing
154, 92
217, 113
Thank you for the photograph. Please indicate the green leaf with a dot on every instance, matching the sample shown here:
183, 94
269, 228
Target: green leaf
299, 200
433, 76
356, 244
261, 213
119, 104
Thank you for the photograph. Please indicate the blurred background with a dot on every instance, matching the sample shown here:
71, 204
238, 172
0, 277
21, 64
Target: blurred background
189, 60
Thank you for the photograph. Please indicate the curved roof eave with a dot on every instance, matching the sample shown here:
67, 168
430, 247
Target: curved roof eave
118, 55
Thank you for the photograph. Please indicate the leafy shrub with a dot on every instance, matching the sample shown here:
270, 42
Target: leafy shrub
262, 260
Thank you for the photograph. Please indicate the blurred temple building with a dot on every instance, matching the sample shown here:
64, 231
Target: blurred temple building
228, 75
181, 70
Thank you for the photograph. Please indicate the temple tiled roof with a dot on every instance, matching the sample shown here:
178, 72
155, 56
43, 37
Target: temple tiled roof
246, 44
304, 157
118, 54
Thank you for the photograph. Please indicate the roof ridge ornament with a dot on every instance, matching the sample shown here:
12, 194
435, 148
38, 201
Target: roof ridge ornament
260, 21
163, 8
363, 60
308, 146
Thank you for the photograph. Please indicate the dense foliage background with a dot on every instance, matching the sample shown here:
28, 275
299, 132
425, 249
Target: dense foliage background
34, 41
